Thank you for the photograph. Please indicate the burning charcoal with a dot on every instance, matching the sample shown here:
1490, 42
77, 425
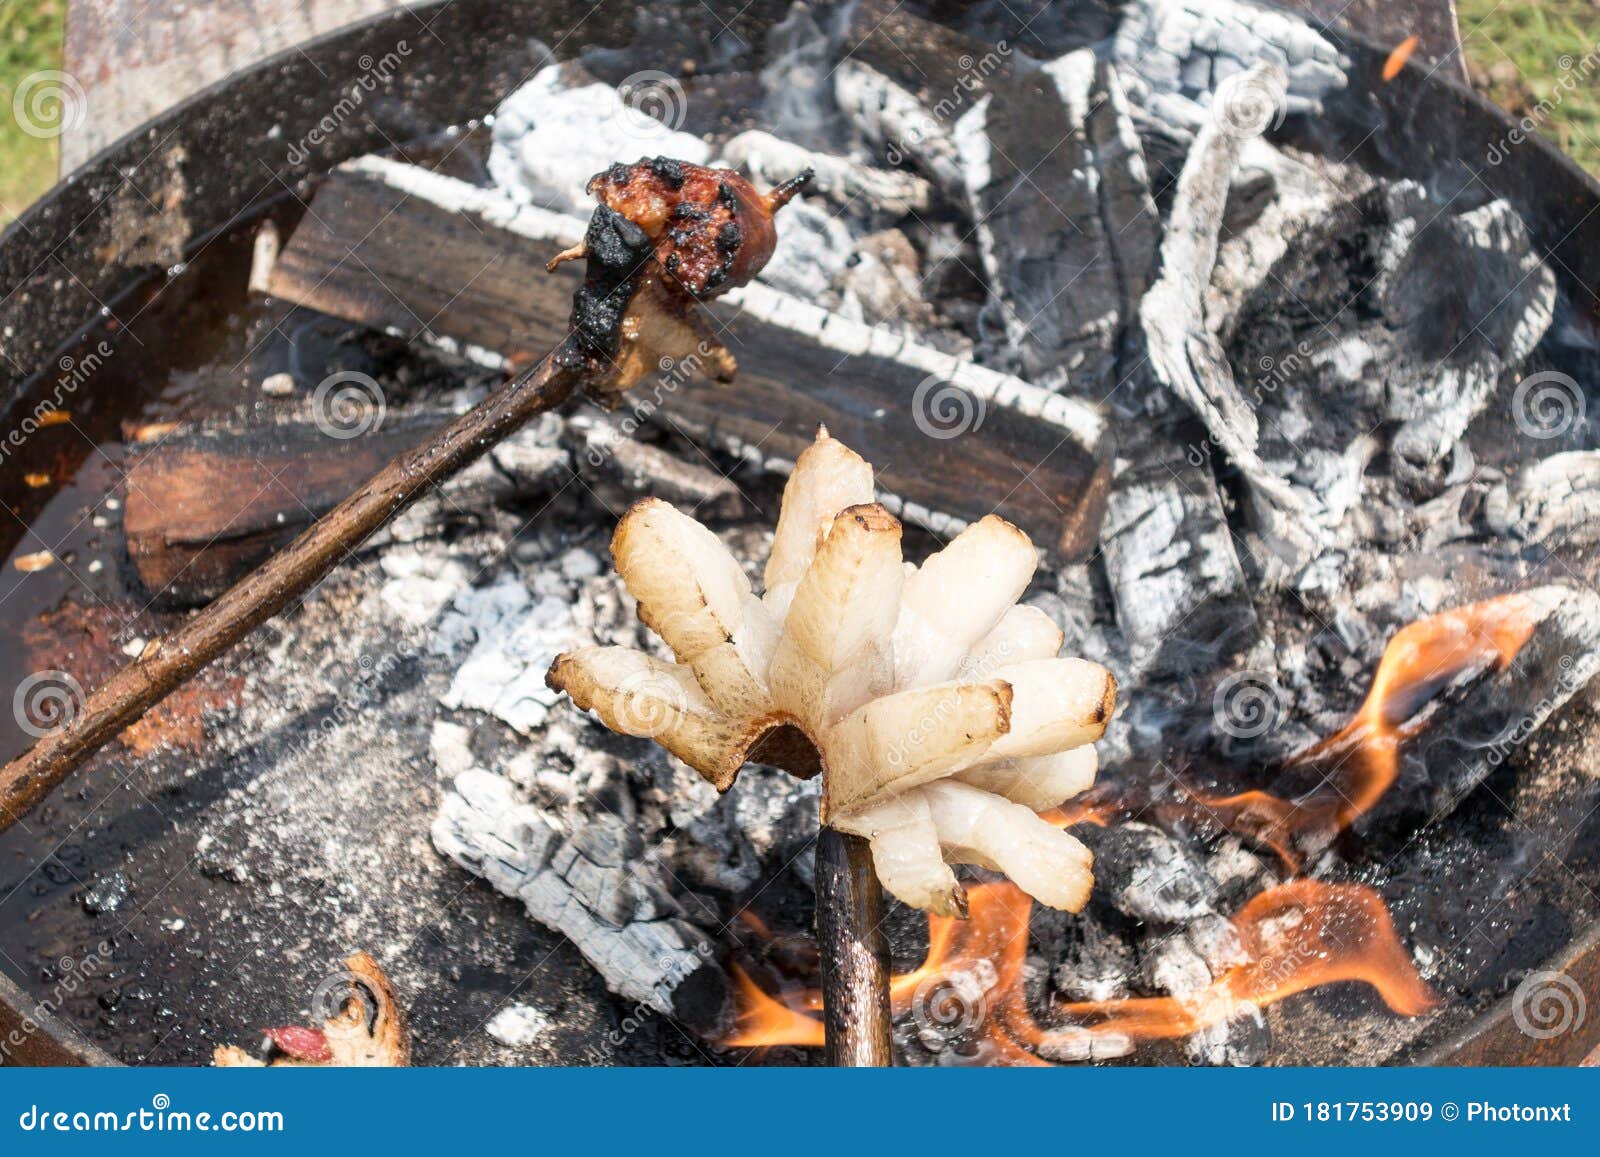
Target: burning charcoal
1500, 712
1310, 204
935, 704
854, 187
612, 458
1056, 259
1243, 1039
1175, 578
1173, 967
1555, 502
1333, 371
1238, 871
1093, 963
551, 136
1490, 300
1185, 48
1148, 875
1216, 941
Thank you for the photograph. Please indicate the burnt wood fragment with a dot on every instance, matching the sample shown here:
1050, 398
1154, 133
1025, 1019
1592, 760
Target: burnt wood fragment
402, 249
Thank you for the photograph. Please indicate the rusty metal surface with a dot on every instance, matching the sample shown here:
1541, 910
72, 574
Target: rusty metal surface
1508, 1035
1435, 118
32, 1035
1387, 23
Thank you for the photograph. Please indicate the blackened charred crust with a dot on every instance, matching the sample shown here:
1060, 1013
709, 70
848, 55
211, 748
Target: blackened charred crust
1108, 701
669, 170
617, 251
711, 230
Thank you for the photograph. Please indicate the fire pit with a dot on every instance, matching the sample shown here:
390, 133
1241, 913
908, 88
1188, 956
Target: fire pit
1280, 366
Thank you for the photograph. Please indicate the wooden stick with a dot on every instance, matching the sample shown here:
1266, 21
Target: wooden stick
855, 953
264, 592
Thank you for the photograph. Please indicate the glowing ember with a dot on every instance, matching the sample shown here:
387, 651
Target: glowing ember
1299, 935
1420, 661
1397, 59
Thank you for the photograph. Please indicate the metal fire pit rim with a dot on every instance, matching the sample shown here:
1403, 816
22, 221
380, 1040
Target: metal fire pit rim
505, 50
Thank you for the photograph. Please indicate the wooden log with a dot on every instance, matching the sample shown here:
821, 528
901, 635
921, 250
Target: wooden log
431, 258
210, 502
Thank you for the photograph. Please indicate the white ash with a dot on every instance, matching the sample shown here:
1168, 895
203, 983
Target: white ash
1150, 875
848, 184
1181, 50
1555, 502
810, 258
510, 640
898, 124
550, 137
517, 1025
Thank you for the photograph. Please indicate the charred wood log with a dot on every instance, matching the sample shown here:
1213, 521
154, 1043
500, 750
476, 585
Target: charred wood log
1554, 502
1065, 222
1183, 354
209, 502
389, 245
592, 886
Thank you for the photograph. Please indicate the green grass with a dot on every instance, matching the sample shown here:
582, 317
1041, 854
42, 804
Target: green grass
30, 41
1524, 52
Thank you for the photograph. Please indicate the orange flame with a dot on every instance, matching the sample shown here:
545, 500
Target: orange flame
1421, 660
764, 1021
1397, 59
1296, 936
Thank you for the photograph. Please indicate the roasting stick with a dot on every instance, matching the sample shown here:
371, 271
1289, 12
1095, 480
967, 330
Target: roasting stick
170, 662
854, 953
634, 308
629, 313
